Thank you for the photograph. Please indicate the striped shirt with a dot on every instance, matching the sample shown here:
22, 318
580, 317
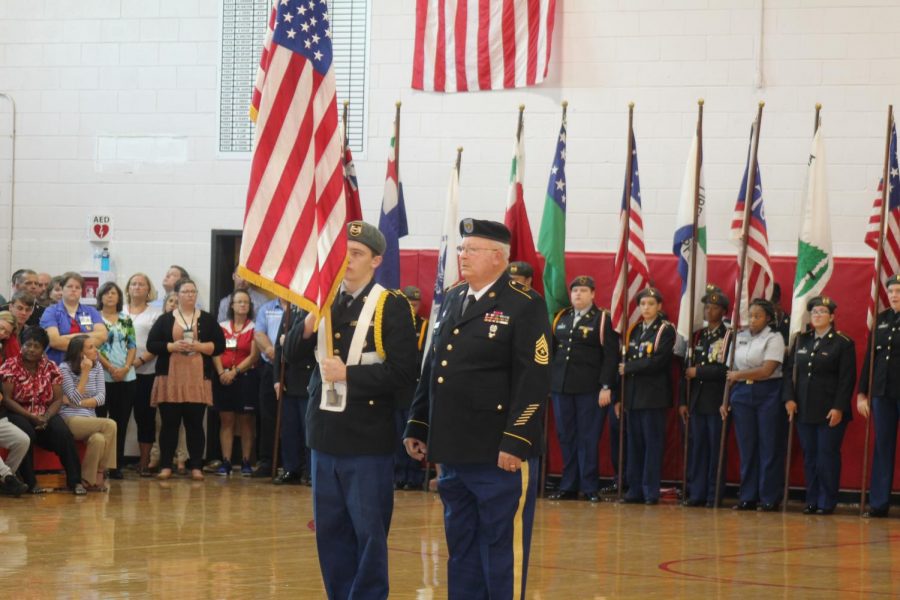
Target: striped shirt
95, 388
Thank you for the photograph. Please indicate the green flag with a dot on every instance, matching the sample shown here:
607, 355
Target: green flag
552, 237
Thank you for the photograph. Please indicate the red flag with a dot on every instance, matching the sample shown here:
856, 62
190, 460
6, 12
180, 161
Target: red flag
294, 242
351, 187
522, 242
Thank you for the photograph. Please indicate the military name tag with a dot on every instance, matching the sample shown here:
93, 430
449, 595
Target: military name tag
884, 326
802, 351
496, 317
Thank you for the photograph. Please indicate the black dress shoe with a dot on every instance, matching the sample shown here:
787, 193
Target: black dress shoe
563, 495
262, 470
115, 474
825, 511
11, 486
744, 506
651, 502
693, 503
288, 478
593, 497
768, 507
610, 489
809, 510
627, 500
711, 504
875, 513
398, 485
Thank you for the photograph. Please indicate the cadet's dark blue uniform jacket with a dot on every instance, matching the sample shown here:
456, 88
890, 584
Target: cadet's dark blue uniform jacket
486, 377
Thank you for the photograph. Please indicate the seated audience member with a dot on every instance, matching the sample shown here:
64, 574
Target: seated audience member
26, 281
21, 305
83, 391
69, 317
9, 341
54, 290
32, 395
117, 355
256, 296
236, 391
138, 292
44, 280
184, 342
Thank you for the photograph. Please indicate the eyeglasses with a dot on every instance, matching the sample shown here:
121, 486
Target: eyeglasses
820, 311
188, 292
460, 250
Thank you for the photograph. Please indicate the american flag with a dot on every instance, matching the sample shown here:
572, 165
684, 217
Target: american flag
759, 281
263, 64
468, 45
351, 187
890, 253
631, 251
294, 243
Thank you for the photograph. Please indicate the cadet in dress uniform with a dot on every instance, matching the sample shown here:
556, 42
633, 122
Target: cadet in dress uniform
782, 322
648, 395
885, 399
820, 375
759, 420
583, 375
706, 371
408, 472
350, 423
521, 271
480, 406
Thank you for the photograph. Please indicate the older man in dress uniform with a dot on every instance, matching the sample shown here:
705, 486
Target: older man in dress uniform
350, 421
585, 356
480, 405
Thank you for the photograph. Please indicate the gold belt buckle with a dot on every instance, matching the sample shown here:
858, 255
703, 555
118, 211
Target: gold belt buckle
749, 382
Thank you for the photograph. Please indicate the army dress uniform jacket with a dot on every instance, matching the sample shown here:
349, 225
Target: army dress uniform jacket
486, 378
647, 365
820, 375
366, 426
405, 395
299, 353
886, 375
585, 354
710, 359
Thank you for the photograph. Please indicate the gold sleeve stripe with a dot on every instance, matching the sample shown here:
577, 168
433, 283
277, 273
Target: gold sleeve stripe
418, 422
518, 437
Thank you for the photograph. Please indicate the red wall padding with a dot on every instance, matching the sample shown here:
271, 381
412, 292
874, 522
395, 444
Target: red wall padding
849, 287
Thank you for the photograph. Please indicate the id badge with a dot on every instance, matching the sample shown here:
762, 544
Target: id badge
230, 343
85, 322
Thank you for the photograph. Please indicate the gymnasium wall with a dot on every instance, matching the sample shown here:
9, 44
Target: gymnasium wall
89, 76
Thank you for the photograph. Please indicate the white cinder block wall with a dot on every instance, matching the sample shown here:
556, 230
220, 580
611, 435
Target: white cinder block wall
117, 113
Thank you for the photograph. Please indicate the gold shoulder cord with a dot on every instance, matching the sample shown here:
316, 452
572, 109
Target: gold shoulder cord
379, 317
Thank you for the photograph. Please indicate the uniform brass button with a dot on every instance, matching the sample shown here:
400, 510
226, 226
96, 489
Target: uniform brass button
449, 346
499, 407
567, 358
337, 350
456, 331
337, 335
443, 363
440, 380
371, 403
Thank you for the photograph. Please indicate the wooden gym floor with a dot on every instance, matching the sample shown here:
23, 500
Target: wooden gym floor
241, 538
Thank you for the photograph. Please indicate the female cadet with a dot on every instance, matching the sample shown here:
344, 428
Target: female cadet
707, 374
647, 397
818, 387
759, 422
885, 400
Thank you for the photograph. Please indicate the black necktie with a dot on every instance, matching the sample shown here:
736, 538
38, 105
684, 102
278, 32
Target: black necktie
344, 301
470, 299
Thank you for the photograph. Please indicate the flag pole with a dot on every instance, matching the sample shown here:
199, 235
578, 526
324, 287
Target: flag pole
565, 105
736, 321
790, 439
345, 139
521, 123
876, 290
282, 365
626, 228
692, 287
397, 141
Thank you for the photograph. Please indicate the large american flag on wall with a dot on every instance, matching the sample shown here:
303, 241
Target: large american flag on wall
759, 282
294, 243
630, 251
890, 254
468, 45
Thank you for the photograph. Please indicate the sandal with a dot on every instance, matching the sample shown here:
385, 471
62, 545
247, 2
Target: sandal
79, 490
164, 474
96, 488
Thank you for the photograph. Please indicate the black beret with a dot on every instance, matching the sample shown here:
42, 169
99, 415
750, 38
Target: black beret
583, 280
715, 296
368, 235
895, 280
825, 301
491, 230
648, 292
520, 267
412, 292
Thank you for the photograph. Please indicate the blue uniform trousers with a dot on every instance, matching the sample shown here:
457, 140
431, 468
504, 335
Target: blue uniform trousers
353, 499
703, 457
759, 424
646, 441
407, 470
488, 515
885, 412
609, 412
294, 453
578, 425
821, 462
